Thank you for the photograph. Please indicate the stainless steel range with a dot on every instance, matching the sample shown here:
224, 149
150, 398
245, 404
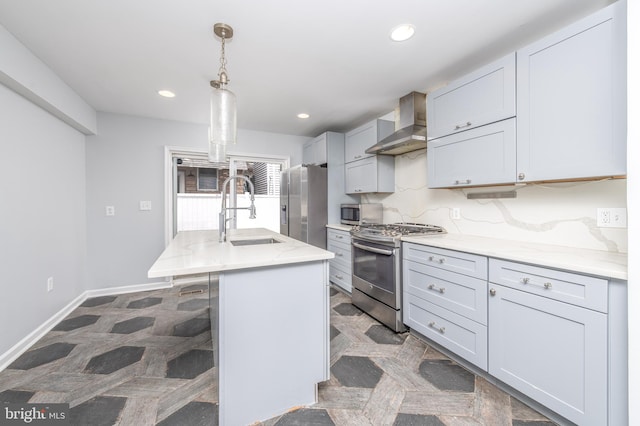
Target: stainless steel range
377, 268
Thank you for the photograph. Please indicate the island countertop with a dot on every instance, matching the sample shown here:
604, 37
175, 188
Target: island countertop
196, 252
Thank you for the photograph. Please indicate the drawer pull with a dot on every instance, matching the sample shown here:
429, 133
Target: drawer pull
433, 287
430, 258
339, 254
441, 260
433, 324
547, 286
338, 276
462, 126
525, 280
339, 237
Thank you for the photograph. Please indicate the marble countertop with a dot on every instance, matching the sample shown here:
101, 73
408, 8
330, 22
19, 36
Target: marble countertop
340, 227
591, 262
195, 252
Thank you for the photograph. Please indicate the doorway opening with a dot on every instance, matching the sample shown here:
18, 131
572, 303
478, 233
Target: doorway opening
194, 191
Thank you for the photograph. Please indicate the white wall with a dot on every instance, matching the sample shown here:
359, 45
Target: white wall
42, 231
125, 165
561, 213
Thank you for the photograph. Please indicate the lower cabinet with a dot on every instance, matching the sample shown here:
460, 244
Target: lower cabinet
551, 351
339, 243
558, 337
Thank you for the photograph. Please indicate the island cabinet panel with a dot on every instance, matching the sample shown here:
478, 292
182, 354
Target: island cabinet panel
339, 243
273, 340
572, 100
482, 97
551, 351
482, 156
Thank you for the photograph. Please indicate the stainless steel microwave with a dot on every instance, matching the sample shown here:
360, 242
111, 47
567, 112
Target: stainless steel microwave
358, 214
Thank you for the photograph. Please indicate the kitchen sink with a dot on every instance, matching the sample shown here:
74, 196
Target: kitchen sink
254, 242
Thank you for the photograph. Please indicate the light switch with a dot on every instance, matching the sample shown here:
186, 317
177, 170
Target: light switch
145, 205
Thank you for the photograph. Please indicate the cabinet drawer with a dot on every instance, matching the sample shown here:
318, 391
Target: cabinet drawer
338, 236
461, 294
342, 252
338, 275
579, 290
449, 260
458, 334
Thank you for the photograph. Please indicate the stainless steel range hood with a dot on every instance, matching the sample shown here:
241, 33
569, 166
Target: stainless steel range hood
411, 130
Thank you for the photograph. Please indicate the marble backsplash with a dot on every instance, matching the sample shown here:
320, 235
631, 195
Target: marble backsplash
557, 213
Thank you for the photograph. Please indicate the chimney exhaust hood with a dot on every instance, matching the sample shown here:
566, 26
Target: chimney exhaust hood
411, 130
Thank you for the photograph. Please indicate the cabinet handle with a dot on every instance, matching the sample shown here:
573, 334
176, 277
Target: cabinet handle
462, 126
492, 292
462, 182
525, 280
433, 287
433, 324
339, 276
547, 286
441, 260
430, 258
357, 156
520, 176
339, 254
339, 237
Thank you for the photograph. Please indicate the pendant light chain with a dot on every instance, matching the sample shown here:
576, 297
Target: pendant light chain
222, 73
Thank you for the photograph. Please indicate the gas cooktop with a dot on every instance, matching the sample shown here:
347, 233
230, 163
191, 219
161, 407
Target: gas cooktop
395, 230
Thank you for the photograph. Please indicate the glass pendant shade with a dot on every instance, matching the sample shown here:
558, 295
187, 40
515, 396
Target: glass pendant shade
223, 123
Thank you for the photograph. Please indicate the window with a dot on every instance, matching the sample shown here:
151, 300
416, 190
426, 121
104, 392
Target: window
207, 179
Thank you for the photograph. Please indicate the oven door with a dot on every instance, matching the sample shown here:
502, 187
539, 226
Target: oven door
376, 271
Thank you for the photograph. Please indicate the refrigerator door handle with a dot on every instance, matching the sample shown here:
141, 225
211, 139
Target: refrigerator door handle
283, 214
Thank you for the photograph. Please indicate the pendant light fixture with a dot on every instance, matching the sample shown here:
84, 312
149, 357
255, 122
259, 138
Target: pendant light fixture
223, 105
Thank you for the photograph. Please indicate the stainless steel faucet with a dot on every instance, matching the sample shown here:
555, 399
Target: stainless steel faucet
222, 225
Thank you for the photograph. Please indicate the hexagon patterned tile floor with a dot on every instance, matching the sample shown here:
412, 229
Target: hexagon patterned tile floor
146, 359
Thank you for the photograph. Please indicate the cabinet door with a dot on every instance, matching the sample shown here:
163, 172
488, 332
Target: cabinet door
315, 151
358, 140
482, 156
551, 351
485, 96
571, 100
360, 176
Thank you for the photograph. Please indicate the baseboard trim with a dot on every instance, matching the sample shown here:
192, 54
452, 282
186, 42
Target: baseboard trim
32, 338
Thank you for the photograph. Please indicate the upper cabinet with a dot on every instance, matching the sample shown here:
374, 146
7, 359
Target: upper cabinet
571, 111
485, 96
315, 151
358, 140
368, 172
572, 100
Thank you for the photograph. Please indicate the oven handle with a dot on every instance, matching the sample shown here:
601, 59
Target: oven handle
373, 249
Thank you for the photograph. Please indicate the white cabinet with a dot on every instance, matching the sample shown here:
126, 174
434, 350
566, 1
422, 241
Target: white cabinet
339, 243
572, 100
485, 96
361, 138
552, 351
482, 156
315, 151
444, 299
371, 174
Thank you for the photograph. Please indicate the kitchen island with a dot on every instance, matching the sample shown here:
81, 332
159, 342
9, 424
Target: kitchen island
269, 317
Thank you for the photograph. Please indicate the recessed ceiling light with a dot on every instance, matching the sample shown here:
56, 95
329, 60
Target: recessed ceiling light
402, 32
166, 93
303, 115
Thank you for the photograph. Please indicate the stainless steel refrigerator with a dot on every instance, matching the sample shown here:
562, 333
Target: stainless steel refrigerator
303, 204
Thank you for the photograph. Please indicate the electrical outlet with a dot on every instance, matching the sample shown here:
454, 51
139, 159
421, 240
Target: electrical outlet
49, 283
455, 213
110, 211
611, 217
145, 205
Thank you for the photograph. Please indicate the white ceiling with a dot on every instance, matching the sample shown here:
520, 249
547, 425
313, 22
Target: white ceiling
330, 58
